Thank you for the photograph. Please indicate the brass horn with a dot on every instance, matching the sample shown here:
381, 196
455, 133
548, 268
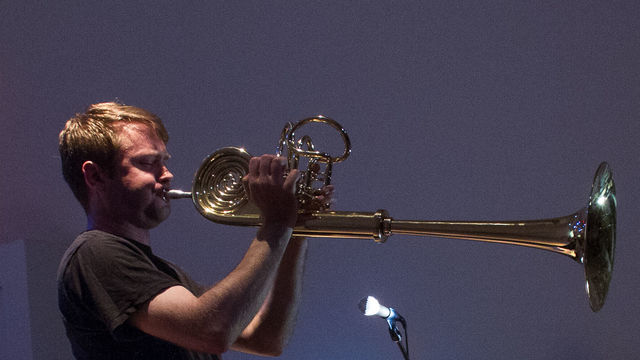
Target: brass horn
587, 236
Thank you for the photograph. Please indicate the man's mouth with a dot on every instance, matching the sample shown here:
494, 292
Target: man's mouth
163, 194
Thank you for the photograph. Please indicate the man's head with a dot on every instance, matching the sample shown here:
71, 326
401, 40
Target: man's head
94, 136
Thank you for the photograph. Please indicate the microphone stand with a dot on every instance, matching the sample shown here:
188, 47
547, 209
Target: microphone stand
395, 333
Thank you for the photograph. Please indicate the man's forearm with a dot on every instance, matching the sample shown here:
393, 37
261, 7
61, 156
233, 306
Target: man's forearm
272, 327
243, 292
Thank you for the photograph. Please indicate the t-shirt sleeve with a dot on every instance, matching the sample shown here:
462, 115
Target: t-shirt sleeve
113, 278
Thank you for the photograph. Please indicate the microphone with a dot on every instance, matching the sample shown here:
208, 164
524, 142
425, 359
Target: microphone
370, 306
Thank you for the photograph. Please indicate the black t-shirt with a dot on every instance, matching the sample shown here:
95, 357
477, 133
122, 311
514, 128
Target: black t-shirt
102, 280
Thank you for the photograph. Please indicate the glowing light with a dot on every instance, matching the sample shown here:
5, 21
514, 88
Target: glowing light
601, 200
372, 307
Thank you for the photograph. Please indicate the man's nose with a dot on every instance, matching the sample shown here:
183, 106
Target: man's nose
166, 175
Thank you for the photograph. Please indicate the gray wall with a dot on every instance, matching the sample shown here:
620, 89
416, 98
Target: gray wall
47, 334
466, 110
15, 325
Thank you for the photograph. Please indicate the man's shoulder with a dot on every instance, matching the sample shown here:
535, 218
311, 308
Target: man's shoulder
95, 246
91, 241
98, 239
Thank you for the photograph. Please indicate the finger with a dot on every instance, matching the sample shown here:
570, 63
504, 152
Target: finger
324, 201
265, 165
278, 166
327, 200
291, 180
254, 166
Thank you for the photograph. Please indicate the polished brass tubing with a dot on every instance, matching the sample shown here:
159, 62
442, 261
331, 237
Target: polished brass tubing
549, 234
557, 235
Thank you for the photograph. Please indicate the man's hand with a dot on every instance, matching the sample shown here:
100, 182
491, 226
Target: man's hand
322, 200
272, 193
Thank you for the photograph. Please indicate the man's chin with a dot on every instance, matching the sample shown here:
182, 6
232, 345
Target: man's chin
163, 214
157, 216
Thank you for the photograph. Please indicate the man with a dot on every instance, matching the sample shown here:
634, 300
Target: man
120, 301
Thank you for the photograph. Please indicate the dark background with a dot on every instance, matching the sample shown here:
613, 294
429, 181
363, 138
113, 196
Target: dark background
457, 110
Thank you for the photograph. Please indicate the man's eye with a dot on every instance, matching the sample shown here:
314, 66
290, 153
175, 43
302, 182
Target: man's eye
151, 162
146, 162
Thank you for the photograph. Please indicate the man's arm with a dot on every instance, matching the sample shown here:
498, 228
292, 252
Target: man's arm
270, 330
212, 322
272, 327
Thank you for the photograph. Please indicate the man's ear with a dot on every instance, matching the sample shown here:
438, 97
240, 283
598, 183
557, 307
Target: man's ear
94, 175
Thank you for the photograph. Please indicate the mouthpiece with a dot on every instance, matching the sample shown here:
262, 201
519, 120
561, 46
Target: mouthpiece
177, 194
